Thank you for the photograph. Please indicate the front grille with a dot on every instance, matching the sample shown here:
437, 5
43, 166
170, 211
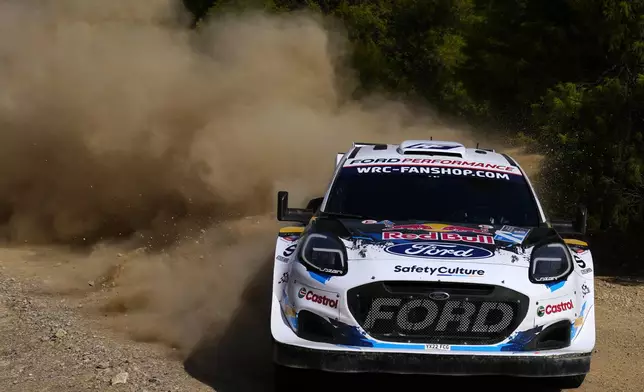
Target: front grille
420, 312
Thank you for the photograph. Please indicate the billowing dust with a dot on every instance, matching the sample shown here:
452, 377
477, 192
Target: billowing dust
161, 148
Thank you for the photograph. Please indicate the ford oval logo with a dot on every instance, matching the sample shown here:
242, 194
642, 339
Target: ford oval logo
439, 295
437, 250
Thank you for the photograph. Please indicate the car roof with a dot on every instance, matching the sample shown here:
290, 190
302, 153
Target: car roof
439, 152
429, 149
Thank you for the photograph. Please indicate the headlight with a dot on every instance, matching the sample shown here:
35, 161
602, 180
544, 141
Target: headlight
550, 262
324, 253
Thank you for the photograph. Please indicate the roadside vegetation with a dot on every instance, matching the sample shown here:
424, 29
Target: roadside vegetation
563, 77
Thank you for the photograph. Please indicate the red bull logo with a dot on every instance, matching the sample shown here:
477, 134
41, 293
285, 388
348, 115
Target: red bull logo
433, 236
439, 228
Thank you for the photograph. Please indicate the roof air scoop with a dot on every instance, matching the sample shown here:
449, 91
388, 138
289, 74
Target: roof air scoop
432, 147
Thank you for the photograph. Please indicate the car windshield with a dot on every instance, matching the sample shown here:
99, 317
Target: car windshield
434, 194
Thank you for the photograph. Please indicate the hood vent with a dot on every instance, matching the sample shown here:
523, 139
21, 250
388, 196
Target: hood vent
432, 148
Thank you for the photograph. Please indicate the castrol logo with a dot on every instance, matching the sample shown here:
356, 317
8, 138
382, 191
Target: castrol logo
310, 295
553, 309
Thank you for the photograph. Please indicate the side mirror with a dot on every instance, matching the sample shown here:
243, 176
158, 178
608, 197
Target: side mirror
579, 225
284, 213
581, 221
314, 204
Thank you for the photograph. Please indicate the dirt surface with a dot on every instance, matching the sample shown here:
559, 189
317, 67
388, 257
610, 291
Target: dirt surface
119, 122
65, 340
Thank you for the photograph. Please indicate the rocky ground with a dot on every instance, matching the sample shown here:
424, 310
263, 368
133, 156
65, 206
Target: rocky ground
48, 343
55, 341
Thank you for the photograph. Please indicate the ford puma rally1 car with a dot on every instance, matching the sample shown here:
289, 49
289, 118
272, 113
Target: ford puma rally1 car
428, 257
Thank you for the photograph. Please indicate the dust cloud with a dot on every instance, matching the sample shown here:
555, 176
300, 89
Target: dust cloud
119, 122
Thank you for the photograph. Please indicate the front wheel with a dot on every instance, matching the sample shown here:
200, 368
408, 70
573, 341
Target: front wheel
285, 378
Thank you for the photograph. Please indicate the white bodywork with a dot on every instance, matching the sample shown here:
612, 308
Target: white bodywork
296, 289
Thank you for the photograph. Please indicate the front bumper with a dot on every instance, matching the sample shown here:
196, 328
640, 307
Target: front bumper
529, 351
430, 364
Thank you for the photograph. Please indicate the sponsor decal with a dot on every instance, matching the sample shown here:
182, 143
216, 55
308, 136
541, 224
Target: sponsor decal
554, 286
312, 296
442, 271
284, 257
553, 309
433, 236
319, 278
511, 234
284, 278
442, 347
289, 250
431, 250
582, 264
433, 171
402, 315
433, 162
440, 228
585, 290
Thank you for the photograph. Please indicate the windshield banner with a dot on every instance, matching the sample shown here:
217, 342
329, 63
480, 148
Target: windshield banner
417, 162
436, 171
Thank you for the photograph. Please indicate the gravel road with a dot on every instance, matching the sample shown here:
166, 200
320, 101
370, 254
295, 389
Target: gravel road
59, 341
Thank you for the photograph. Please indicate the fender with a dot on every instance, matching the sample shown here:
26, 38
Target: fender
285, 245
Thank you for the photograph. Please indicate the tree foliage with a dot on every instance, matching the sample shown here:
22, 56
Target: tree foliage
564, 74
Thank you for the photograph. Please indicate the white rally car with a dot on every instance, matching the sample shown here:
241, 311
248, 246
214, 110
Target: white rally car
428, 257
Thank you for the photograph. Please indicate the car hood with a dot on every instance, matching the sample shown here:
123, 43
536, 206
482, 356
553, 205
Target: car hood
437, 241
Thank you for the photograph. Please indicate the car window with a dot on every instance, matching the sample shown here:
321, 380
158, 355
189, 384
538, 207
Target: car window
434, 194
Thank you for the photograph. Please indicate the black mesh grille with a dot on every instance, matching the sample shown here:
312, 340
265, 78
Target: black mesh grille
421, 312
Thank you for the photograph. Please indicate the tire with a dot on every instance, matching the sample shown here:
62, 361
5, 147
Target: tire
280, 377
285, 378
567, 382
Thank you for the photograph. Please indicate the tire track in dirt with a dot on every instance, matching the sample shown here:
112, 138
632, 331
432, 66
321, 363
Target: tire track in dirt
91, 351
